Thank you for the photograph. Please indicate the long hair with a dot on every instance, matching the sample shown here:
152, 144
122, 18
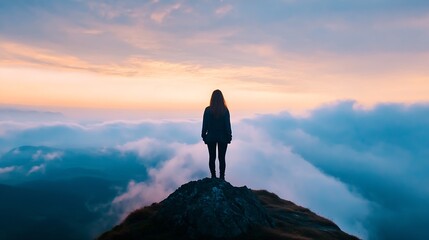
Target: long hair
217, 103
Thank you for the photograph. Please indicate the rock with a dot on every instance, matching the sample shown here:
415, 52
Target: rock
214, 209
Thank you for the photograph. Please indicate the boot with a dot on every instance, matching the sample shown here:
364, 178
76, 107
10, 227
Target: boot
222, 176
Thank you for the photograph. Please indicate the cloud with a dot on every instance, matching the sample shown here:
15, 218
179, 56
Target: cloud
38, 168
181, 167
152, 151
107, 134
37, 155
276, 46
254, 161
53, 156
14, 54
50, 156
223, 10
159, 16
364, 168
7, 169
319, 26
378, 152
12, 114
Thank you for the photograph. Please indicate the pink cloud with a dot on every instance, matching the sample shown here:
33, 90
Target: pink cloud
159, 16
223, 10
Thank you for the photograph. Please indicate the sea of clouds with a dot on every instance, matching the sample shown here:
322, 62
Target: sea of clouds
365, 169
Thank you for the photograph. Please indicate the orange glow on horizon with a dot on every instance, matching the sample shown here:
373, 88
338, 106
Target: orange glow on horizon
58, 81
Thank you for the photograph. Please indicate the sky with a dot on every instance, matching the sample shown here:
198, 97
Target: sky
328, 98
166, 57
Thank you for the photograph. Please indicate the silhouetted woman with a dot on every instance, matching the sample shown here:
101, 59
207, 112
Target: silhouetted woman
217, 131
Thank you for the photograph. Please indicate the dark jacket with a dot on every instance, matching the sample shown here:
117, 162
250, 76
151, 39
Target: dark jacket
216, 129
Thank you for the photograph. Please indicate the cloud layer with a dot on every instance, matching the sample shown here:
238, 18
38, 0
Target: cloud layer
363, 168
380, 153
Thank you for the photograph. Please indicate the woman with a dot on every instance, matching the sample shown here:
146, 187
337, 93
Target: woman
217, 131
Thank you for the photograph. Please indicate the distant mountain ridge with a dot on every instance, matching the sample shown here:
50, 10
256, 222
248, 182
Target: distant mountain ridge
214, 209
28, 163
55, 193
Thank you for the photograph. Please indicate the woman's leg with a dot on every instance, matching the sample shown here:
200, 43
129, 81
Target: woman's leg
222, 152
212, 158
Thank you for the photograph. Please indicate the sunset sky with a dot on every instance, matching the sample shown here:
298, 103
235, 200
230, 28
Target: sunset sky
329, 102
168, 56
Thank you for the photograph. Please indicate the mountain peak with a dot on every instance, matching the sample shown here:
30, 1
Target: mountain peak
214, 209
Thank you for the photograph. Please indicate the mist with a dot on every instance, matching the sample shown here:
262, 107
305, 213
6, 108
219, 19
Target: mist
362, 168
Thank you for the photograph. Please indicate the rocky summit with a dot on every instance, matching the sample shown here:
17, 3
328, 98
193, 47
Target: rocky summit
214, 209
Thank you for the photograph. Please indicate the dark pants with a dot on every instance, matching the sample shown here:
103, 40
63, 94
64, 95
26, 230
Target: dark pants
212, 157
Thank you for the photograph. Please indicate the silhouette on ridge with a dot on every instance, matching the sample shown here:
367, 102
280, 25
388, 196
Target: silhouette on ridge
216, 131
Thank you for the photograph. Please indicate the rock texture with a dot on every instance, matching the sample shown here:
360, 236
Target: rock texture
214, 209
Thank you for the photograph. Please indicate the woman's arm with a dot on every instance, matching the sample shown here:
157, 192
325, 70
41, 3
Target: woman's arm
204, 127
228, 126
